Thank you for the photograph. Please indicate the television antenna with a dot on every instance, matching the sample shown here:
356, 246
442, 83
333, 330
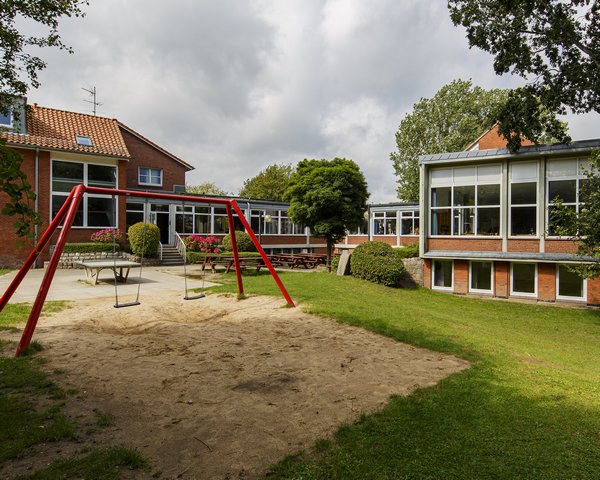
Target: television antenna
94, 102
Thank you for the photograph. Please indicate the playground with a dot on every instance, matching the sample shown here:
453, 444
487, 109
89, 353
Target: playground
224, 388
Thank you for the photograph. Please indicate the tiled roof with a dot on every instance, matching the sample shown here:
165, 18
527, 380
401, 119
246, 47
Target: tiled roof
525, 152
56, 130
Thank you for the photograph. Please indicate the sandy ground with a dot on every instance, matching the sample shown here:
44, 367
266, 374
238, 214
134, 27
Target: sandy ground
221, 389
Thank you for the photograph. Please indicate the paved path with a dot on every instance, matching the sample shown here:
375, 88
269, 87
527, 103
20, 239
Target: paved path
72, 284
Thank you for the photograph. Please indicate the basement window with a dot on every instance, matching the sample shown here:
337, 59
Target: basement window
84, 140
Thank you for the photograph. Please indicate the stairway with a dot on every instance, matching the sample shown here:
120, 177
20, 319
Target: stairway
171, 256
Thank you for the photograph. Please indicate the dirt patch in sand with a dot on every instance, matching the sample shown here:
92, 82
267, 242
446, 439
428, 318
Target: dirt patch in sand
219, 388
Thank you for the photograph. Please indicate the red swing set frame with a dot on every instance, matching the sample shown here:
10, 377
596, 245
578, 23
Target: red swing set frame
66, 216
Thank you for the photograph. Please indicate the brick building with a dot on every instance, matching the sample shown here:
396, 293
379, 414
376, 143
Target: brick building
486, 220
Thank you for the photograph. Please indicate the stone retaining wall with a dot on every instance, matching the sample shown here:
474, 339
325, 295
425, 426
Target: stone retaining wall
414, 271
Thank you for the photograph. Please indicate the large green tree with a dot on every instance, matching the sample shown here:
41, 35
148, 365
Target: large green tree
456, 115
206, 188
553, 44
330, 197
18, 72
583, 226
270, 183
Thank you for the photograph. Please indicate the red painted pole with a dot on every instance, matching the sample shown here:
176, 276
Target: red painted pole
262, 253
236, 257
35, 253
78, 192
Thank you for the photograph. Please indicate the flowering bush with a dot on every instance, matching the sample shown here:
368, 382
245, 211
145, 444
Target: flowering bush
108, 235
196, 243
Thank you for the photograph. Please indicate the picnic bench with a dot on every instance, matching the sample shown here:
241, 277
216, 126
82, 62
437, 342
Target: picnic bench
94, 267
306, 260
229, 262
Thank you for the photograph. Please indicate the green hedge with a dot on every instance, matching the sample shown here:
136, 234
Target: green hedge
89, 247
409, 251
244, 242
195, 257
137, 232
377, 262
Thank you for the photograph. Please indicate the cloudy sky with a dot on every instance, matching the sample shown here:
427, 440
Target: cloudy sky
232, 86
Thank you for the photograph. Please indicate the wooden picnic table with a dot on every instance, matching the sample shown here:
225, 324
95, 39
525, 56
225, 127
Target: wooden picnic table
229, 262
94, 267
294, 260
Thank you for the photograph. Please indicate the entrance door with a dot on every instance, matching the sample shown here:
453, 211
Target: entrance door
161, 218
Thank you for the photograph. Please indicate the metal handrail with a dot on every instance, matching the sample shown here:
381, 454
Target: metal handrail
181, 248
160, 251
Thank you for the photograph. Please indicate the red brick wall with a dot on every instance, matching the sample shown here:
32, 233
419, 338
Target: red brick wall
547, 282
560, 246
357, 239
409, 239
461, 276
524, 245
593, 291
501, 279
475, 244
144, 155
385, 239
427, 273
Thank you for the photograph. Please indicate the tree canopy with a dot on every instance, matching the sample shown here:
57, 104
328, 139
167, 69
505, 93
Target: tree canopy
554, 45
18, 71
330, 197
270, 183
456, 115
206, 188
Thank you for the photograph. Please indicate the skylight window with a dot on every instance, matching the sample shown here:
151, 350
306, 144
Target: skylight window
84, 140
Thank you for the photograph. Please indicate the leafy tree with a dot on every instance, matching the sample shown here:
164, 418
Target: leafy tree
18, 70
206, 188
330, 197
456, 115
583, 227
554, 45
269, 184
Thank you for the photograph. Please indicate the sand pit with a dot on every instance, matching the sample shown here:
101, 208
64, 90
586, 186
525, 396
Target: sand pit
219, 388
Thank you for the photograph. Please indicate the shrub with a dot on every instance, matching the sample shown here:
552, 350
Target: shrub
244, 242
108, 235
410, 251
377, 262
335, 261
146, 236
88, 247
197, 243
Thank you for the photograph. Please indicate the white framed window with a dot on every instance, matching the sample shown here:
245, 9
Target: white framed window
465, 201
442, 275
385, 223
523, 199
523, 279
481, 277
95, 211
6, 119
565, 179
150, 176
570, 285
409, 222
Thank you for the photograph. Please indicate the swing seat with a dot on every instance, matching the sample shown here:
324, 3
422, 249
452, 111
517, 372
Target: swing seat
127, 304
194, 297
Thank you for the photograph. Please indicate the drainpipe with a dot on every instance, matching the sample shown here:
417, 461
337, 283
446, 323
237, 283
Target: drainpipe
36, 203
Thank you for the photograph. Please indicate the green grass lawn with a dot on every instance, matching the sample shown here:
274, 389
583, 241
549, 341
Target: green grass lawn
528, 408
4, 271
31, 413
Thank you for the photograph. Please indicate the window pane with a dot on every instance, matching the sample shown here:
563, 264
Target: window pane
135, 206
442, 273
440, 221
416, 226
488, 195
440, 197
390, 226
270, 224
102, 176
133, 218
488, 221
565, 189
481, 275
523, 277
221, 225
464, 219
407, 226
6, 118
201, 224
570, 284
65, 175
464, 196
378, 226
523, 193
58, 200
286, 226
553, 221
101, 212
523, 220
